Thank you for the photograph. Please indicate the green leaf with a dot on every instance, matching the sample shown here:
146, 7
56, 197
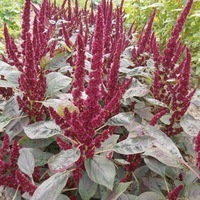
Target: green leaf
4, 120
87, 188
116, 192
134, 145
101, 171
6, 84
62, 197
11, 108
52, 187
192, 192
190, 125
58, 61
56, 81
42, 129
163, 142
163, 156
41, 158
155, 166
6, 69
136, 92
16, 126
63, 160
121, 119
26, 161
153, 5
35, 143
150, 196
156, 102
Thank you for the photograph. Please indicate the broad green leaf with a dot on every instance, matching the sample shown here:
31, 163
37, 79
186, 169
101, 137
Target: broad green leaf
6, 69
87, 188
152, 184
26, 161
62, 197
192, 192
41, 158
13, 77
163, 142
121, 119
11, 108
156, 102
116, 192
63, 160
16, 126
42, 130
155, 166
150, 196
134, 145
56, 81
58, 61
52, 187
153, 5
164, 156
190, 125
101, 171
6, 84
10, 193
35, 143
136, 92
4, 120
166, 119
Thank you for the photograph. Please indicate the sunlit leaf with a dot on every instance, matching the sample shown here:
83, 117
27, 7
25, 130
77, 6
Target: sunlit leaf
87, 188
116, 192
101, 171
58, 61
150, 196
26, 161
63, 160
52, 187
134, 145
55, 82
42, 129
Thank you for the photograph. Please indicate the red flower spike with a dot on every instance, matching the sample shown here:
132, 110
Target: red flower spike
197, 143
14, 153
24, 182
145, 39
174, 194
114, 70
157, 116
25, 23
5, 146
172, 43
95, 76
79, 74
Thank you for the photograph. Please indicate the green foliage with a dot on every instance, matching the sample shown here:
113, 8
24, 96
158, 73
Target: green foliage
166, 15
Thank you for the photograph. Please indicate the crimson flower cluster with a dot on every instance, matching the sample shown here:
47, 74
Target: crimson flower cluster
174, 194
10, 175
83, 124
197, 149
172, 73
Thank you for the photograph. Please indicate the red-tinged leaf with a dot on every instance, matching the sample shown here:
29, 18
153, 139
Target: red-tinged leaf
116, 192
101, 171
51, 188
87, 188
63, 160
26, 161
150, 196
134, 145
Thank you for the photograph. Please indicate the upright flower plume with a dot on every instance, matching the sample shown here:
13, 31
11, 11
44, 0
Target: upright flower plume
95, 76
79, 75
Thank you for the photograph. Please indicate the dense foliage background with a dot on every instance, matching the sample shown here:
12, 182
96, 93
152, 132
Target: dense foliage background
99, 101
